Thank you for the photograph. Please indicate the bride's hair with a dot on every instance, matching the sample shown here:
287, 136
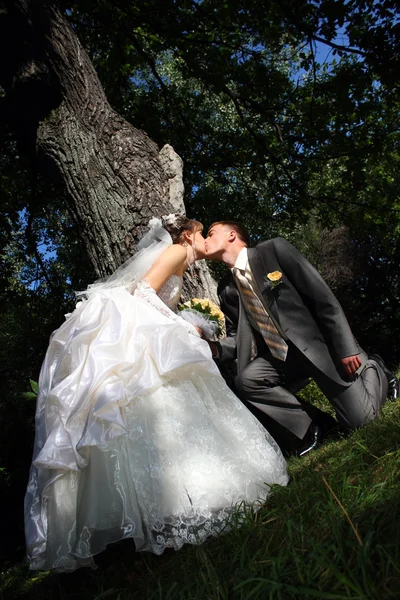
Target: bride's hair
178, 224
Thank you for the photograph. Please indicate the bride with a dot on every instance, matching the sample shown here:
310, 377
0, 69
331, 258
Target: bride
137, 434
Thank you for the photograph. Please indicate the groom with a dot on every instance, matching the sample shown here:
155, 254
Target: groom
280, 311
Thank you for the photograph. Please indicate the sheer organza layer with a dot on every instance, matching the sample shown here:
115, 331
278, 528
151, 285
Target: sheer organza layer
137, 437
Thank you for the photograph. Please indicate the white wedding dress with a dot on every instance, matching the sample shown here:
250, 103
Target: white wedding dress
137, 436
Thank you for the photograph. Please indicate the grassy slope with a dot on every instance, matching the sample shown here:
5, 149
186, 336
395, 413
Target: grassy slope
334, 532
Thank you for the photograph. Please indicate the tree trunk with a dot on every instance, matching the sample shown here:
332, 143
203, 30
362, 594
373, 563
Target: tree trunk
114, 175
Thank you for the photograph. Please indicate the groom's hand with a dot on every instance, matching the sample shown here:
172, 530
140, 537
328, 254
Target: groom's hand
351, 364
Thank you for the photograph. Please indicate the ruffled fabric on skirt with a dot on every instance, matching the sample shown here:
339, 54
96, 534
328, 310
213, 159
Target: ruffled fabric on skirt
137, 436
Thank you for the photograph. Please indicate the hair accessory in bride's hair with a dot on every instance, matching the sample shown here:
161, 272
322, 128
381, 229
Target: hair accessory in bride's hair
171, 219
154, 222
155, 233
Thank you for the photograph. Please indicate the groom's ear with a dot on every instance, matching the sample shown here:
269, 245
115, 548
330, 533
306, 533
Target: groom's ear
232, 235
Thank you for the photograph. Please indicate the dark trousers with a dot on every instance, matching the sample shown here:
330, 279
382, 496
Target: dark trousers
264, 386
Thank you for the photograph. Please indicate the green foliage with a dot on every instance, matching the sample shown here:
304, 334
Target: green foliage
33, 394
242, 96
313, 395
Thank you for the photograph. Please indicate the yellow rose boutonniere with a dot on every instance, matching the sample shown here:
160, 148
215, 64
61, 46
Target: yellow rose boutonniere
274, 278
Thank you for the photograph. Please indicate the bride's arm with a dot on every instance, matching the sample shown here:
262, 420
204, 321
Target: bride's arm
169, 263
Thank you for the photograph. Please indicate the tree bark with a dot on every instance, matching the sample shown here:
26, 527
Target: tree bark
114, 176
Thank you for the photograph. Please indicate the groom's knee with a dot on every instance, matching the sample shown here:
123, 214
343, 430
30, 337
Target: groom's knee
249, 380
356, 406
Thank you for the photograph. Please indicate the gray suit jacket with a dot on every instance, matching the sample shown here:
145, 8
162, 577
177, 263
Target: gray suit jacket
302, 304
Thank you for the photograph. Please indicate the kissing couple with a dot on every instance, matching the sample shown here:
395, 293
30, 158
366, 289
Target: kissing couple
137, 433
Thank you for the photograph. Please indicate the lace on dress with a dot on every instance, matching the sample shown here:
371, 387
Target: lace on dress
168, 296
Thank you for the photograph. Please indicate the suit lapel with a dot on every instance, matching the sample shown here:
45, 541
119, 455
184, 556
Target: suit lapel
259, 268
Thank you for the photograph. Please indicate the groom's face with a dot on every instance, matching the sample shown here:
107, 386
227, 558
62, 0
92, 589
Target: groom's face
217, 241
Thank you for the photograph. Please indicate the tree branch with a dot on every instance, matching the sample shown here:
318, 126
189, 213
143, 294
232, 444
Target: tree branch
339, 47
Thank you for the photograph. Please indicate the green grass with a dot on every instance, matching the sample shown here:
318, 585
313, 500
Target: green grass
333, 533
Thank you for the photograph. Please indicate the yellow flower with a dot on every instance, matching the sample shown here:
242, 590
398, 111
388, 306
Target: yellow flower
206, 306
275, 276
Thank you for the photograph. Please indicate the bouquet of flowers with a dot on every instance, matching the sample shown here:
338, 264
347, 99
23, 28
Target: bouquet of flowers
203, 313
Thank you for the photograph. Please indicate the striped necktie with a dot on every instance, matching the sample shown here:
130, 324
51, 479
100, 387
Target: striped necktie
273, 339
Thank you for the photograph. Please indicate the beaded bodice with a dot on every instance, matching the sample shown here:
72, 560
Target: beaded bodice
171, 291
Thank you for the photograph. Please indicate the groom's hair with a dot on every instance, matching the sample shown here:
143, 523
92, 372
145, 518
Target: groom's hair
237, 226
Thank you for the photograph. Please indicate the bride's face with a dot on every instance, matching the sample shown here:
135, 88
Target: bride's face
197, 242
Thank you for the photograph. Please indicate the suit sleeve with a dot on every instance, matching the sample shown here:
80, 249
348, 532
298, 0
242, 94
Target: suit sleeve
318, 297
